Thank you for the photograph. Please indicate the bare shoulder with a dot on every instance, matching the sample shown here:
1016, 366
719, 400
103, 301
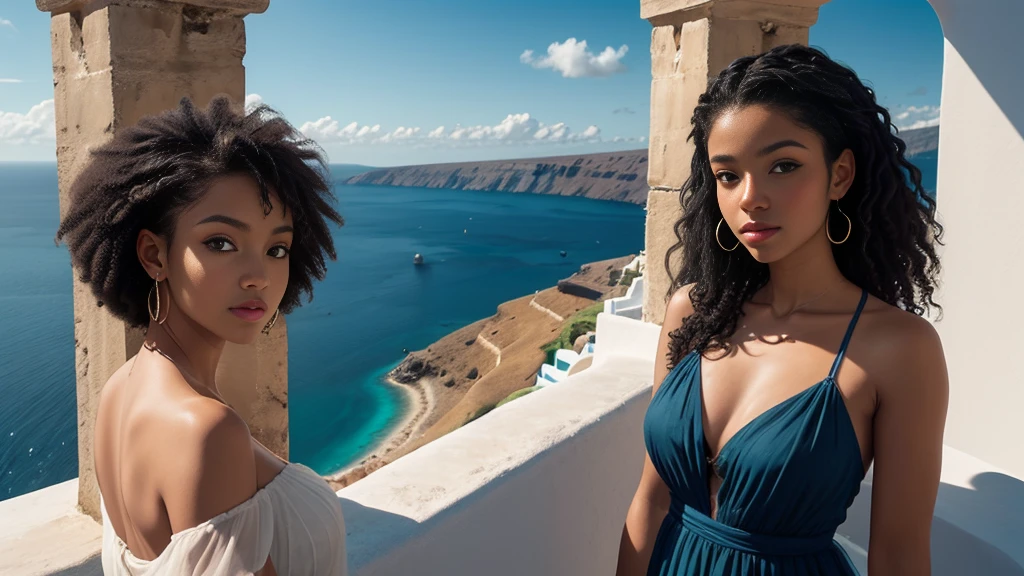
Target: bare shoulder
213, 468
116, 382
680, 306
207, 423
904, 351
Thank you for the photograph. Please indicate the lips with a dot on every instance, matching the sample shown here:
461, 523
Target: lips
250, 310
754, 232
756, 227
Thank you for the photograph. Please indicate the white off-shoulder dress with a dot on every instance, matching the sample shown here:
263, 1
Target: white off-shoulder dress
295, 520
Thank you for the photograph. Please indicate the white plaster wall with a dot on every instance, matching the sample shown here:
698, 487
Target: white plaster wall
978, 527
630, 305
981, 204
538, 486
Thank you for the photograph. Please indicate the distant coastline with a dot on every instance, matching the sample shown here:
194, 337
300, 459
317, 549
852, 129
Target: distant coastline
617, 176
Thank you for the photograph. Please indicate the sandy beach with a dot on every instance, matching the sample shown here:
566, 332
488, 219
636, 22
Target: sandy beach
470, 370
420, 401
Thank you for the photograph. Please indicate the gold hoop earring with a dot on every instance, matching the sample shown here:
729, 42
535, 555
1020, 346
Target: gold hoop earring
155, 316
273, 320
717, 229
849, 225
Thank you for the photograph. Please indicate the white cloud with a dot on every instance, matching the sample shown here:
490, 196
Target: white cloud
252, 101
8, 24
9, 81
400, 133
573, 60
628, 139
922, 124
513, 129
521, 128
33, 127
327, 129
914, 117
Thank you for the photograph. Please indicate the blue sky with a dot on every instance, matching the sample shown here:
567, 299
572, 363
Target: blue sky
401, 69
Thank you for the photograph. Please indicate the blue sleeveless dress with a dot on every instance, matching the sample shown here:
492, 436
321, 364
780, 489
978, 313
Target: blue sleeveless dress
788, 478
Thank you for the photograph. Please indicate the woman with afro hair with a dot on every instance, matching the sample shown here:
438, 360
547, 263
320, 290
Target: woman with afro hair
793, 353
202, 227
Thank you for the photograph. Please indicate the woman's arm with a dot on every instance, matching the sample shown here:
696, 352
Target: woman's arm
913, 394
646, 513
651, 501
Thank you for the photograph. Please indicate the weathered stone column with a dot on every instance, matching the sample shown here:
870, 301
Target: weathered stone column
692, 41
115, 61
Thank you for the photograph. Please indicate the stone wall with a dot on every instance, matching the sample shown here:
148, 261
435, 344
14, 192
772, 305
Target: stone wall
692, 41
115, 61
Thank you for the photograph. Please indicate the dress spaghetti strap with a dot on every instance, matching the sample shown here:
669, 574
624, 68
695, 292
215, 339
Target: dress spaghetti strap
849, 333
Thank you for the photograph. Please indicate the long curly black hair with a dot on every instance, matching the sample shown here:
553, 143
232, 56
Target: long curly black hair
148, 174
891, 248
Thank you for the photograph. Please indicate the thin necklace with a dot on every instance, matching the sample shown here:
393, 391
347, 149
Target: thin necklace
185, 373
152, 347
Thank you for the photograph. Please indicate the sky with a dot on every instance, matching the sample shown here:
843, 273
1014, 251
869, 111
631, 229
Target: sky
398, 82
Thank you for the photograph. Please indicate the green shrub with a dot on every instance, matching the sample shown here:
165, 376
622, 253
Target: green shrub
580, 323
613, 277
628, 276
483, 410
517, 394
580, 328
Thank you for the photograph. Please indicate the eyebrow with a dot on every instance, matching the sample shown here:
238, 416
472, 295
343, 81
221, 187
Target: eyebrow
234, 223
764, 151
225, 220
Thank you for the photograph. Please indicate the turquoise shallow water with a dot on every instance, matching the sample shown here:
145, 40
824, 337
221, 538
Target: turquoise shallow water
481, 249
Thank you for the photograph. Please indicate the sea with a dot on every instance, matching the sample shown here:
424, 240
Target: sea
479, 248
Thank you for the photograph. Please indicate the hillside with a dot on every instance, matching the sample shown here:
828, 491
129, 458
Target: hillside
619, 176
469, 371
921, 140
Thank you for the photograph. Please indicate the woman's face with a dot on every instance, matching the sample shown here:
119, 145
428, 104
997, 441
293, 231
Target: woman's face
227, 264
773, 182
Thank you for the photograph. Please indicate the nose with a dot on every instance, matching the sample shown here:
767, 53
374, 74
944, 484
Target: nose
255, 275
752, 195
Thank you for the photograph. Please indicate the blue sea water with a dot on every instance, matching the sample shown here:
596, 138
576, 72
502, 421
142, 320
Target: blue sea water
481, 249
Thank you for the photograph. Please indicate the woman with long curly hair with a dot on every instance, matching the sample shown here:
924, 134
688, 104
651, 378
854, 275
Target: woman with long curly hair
793, 353
202, 227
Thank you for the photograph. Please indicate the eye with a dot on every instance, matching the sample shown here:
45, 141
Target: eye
219, 245
784, 167
279, 252
726, 177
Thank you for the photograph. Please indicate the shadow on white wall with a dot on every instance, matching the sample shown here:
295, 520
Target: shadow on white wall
976, 530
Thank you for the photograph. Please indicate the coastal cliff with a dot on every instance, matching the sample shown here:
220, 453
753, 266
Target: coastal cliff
618, 176
921, 140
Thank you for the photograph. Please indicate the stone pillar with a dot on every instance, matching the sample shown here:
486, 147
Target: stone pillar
115, 61
692, 41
